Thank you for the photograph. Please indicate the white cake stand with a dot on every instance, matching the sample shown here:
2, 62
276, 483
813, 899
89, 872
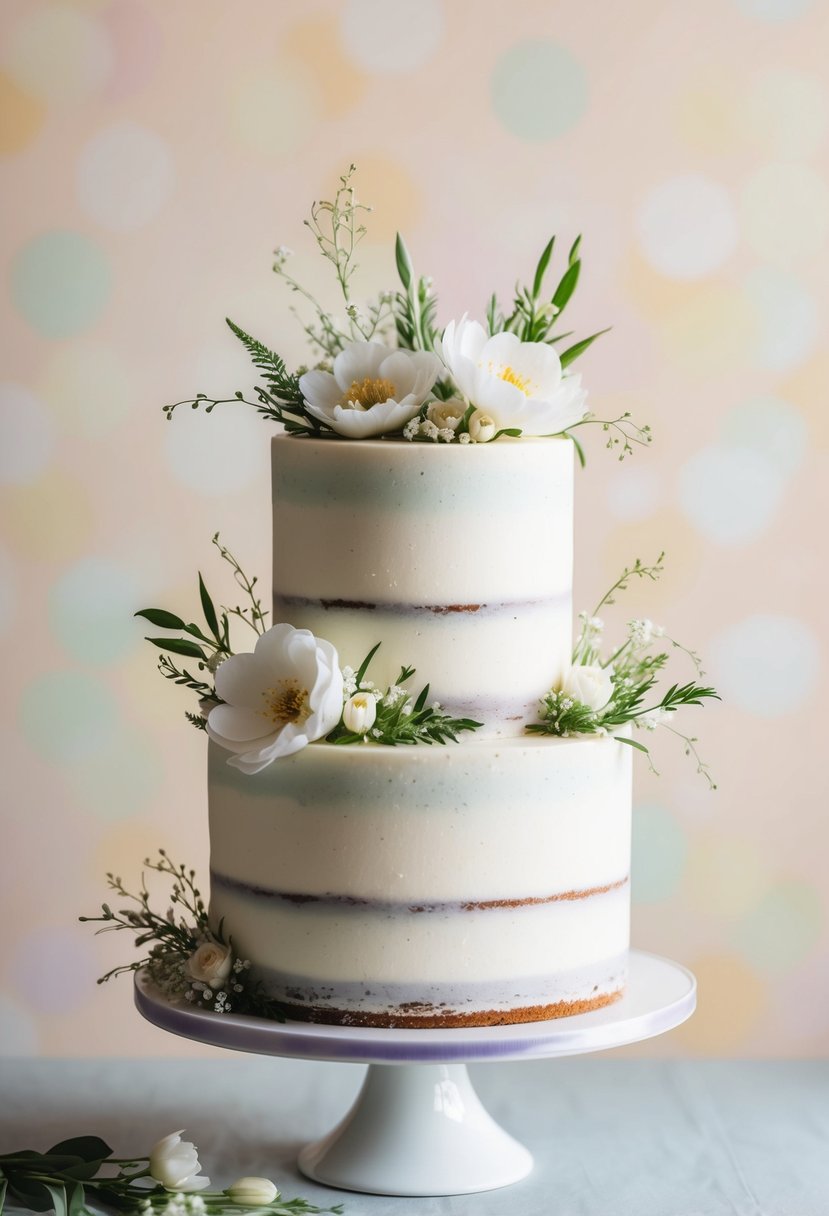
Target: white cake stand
417, 1126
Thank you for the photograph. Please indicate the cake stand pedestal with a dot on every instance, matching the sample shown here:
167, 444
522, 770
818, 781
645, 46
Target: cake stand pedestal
417, 1126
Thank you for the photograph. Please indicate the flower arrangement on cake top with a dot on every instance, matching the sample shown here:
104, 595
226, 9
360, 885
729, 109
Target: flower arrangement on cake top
387, 369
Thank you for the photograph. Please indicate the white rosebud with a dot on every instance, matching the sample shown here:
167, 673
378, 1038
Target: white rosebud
481, 427
211, 964
175, 1164
252, 1192
446, 414
360, 711
591, 686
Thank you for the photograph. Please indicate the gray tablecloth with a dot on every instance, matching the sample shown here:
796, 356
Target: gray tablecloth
611, 1137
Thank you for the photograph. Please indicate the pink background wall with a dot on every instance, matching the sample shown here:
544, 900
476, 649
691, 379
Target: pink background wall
154, 154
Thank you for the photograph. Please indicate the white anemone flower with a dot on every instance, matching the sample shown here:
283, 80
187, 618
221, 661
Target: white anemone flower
285, 694
373, 390
519, 385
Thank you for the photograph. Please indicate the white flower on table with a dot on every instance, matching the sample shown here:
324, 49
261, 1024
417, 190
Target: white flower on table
175, 1164
373, 390
211, 964
591, 686
518, 385
252, 1192
284, 695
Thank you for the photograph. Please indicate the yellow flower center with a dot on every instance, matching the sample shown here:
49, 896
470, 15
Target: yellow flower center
363, 394
286, 702
513, 377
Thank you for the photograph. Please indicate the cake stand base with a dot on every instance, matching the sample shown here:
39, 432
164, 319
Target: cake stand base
417, 1129
417, 1126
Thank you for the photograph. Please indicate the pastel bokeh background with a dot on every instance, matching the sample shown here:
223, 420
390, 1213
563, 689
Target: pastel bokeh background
154, 154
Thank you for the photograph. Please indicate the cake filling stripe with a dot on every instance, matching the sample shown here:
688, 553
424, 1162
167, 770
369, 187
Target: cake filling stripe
479, 609
392, 906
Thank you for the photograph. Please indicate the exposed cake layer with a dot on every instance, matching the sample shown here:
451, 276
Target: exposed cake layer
478, 878
458, 560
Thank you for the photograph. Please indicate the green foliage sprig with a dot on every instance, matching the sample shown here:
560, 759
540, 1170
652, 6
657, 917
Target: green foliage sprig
174, 937
208, 645
75, 1173
533, 315
401, 717
631, 672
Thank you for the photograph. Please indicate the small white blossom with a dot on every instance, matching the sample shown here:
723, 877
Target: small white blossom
411, 428
428, 429
643, 632
446, 415
446, 434
595, 624
465, 437
481, 427
359, 712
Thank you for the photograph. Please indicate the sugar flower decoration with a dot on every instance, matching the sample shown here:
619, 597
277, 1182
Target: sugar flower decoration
373, 390
512, 384
280, 697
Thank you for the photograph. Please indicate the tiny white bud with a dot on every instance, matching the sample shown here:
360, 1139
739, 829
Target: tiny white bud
252, 1192
481, 427
359, 712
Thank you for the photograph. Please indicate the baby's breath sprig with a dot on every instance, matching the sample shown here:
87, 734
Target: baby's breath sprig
394, 716
622, 433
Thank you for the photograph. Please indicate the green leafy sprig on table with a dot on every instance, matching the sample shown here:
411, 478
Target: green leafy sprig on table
210, 644
169, 941
634, 668
410, 314
402, 717
78, 1177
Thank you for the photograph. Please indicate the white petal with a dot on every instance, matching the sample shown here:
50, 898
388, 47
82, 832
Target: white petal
471, 339
400, 369
241, 680
320, 389
497, 397
358, 361
289, 740
231, 725
381, 419
500, 350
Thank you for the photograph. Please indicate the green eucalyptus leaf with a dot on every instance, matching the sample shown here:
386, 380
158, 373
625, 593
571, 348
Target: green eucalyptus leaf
208, 609
75, 1199
566, 286
88, 1148
640, 747
161, 619
29, 1194
179, 646
578, 348
405, 266
541, 268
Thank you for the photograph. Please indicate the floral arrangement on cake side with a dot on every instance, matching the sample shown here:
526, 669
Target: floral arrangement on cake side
290, 690
386, 369
598, 695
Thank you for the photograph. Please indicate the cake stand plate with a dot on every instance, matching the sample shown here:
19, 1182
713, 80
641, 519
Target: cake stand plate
417, 1126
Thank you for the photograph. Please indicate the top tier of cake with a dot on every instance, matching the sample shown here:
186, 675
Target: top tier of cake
458, 560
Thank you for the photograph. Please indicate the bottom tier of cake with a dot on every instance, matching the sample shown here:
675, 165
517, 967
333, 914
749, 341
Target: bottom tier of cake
474, 884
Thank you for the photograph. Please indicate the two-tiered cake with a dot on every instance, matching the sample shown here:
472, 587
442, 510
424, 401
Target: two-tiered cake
482, 882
